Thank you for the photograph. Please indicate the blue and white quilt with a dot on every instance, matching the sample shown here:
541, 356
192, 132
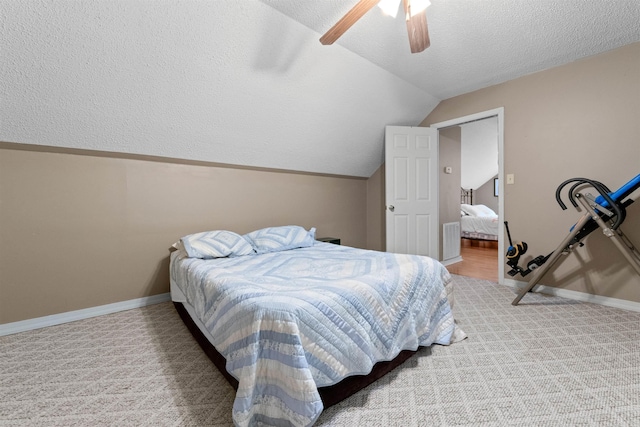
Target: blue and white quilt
289, 322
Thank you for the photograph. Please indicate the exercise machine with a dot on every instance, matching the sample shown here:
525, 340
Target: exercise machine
514, 252
607, 211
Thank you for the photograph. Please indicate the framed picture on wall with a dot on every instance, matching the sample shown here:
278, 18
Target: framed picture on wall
495, 187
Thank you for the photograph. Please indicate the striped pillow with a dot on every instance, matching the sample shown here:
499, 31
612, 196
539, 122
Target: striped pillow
216, 244
274, 239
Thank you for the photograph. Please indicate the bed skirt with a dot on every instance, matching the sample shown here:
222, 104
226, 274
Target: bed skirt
478, 236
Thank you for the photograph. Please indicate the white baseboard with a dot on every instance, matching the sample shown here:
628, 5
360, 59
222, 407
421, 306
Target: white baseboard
577, 296
451, 260
71, 316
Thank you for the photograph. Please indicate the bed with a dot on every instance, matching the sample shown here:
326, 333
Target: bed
297, 324
478, 222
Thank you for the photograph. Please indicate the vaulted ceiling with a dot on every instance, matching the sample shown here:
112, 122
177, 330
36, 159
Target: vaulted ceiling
248, 83
478, 43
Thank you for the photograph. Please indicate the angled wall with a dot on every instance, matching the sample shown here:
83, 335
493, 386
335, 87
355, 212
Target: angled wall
79, 229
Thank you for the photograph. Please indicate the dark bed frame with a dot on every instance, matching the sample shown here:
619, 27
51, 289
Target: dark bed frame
330, 395
466, 196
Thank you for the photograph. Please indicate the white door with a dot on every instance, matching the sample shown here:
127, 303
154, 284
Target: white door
411, 190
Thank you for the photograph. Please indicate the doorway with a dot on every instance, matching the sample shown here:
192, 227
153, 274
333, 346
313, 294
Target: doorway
499, 115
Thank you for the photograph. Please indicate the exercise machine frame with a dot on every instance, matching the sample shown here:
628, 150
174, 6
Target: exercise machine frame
607, 212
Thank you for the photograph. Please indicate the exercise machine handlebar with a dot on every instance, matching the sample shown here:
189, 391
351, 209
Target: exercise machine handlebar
619, 210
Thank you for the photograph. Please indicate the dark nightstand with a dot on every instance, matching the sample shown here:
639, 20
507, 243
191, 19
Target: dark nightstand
333, 240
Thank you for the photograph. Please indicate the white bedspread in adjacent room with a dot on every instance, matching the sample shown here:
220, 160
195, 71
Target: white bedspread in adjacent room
480, 224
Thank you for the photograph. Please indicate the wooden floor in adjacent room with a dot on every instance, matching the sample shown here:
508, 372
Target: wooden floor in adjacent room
479, 260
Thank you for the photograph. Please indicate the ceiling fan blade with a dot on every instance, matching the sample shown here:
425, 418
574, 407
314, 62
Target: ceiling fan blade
417, 29
350, 18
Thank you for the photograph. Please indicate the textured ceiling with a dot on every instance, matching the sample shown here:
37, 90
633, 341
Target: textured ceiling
248, 83
187, 80
478, 43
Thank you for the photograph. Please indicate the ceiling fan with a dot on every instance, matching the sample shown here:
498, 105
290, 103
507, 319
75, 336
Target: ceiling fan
414, 12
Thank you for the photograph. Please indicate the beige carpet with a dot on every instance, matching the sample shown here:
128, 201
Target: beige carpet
547, 362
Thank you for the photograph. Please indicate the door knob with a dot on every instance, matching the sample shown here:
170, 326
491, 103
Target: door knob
392, 208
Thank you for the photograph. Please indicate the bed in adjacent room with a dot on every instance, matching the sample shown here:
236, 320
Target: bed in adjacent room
296, 324
478, 222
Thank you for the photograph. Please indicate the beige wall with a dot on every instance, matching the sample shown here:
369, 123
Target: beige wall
578, 120
80, 229
449, 184
484, 195
376, 214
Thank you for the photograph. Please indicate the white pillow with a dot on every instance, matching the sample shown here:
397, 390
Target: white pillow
485, 210
479, 210
273, 239
466, 209
216, 244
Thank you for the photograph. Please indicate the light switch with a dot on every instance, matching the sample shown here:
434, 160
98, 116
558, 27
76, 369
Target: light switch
511, 178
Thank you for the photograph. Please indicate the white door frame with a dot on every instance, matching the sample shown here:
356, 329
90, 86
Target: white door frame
499, 113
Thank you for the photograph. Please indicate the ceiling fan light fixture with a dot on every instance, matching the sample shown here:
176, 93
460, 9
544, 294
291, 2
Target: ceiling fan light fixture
418, 6
390, 7
414, 14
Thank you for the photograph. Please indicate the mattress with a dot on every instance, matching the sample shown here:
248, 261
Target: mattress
292, 321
